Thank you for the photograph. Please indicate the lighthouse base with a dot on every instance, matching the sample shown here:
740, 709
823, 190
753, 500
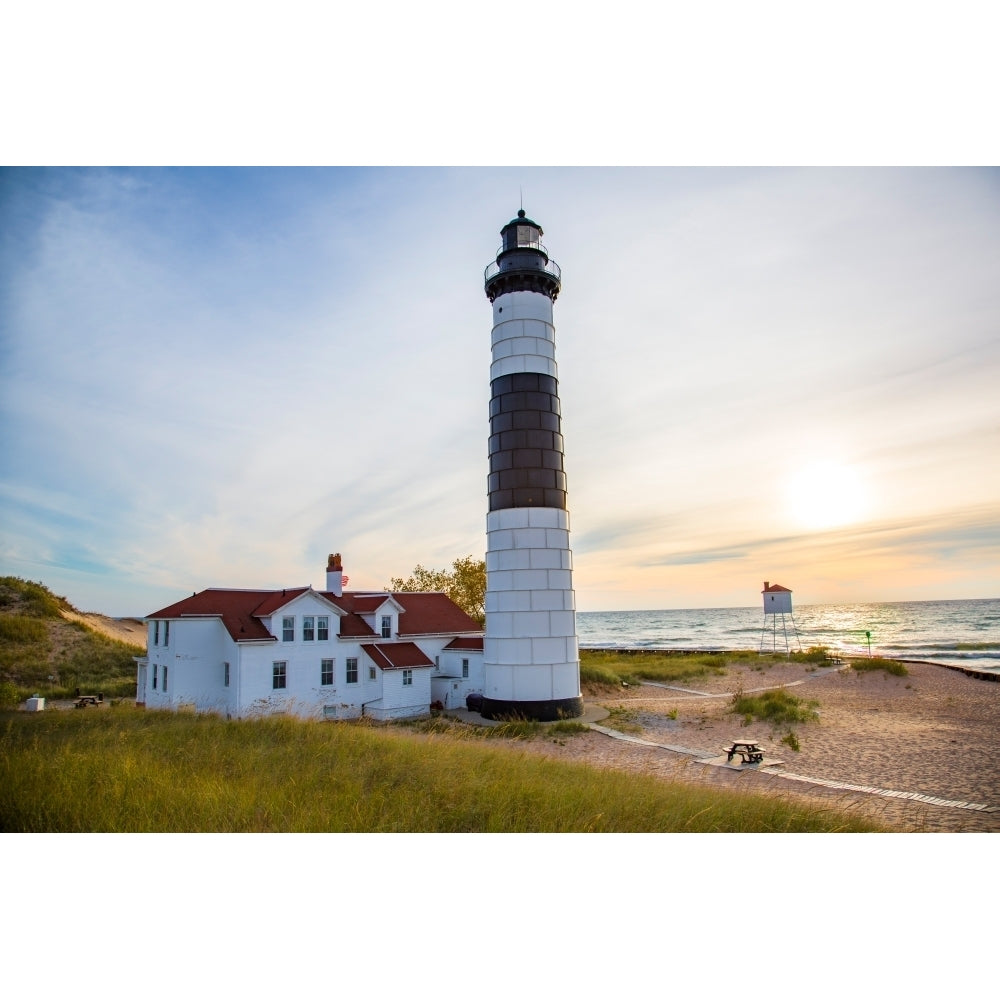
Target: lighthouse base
535, 711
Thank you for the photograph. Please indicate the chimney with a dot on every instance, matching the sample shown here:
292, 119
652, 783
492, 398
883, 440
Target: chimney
334, 575
766, 585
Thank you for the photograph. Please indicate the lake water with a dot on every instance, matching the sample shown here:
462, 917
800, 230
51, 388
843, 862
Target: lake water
960, 633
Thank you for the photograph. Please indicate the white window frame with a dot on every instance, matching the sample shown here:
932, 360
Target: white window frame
166, 633
308, 628
155, 666
225, 675
351, 667
372, 676
156, 633
322, 628
288, 628
407, 678
279, 671
164, 678
465, 666
326, 672
386, 626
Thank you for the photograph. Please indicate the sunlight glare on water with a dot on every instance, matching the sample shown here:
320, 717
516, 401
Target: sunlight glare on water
960, 633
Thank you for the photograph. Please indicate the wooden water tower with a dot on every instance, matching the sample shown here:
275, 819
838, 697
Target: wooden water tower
778, 603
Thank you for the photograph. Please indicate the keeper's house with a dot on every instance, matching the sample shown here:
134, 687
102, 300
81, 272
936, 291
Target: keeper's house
314, 654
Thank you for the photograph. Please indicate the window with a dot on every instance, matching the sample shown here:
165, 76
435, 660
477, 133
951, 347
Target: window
323, 628
371, 672
386, 627
225, 674
164, 677
308, 628
465, 668
154, 676
279, 674
351, 675
287, 629
326, 671
407, 678
166, 642
156, 633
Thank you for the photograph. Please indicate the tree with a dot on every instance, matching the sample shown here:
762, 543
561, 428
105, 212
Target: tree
464, 583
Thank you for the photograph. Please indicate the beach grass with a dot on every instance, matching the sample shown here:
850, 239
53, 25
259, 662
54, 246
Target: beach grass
126, 770
777, 708
613, 668
894, 667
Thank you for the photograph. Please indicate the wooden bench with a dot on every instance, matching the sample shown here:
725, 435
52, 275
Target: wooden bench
750, 750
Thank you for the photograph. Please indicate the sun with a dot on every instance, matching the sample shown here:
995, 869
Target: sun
826, 494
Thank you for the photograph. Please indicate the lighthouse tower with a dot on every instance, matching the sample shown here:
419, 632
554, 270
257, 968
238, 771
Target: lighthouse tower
531, 659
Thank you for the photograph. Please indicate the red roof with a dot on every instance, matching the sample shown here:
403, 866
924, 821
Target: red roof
278, 600
236, 608
396, 655
361, 604
469, 642
433, 614
241, 612
355, 627
775, 588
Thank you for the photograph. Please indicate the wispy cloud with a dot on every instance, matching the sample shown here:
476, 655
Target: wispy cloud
215, 377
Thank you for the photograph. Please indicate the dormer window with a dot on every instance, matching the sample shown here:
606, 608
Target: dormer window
386, 626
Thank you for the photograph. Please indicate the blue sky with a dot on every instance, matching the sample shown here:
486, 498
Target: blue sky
214, 377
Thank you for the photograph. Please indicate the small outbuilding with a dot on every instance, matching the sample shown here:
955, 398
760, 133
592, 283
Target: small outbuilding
778, 604
777, 599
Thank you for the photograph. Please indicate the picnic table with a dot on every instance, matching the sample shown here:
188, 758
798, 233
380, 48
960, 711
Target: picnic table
750, 750
84, 700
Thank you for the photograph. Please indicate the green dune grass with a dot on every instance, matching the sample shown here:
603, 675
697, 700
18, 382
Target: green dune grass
125, 770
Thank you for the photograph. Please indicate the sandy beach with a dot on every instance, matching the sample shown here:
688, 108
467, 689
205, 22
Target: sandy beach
932, 733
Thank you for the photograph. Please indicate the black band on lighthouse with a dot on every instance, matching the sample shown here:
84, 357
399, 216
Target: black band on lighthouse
523, 279
500, 710
526, 443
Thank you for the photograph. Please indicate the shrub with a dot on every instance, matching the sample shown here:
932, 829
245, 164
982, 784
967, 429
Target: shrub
9, 695
877, 663
776, 707
814, 654
791, 740
569, 726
